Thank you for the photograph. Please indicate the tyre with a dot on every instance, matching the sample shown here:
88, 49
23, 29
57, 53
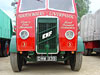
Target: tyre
16, 60
25, 54
6, 49
1, 53
24, 62
2, 48
76, 61
98, 53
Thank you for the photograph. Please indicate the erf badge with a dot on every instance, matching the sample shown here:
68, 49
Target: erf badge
46, 35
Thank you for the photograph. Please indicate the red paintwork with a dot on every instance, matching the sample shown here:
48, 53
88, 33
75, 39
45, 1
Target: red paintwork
7, 49
92, 44
64, 44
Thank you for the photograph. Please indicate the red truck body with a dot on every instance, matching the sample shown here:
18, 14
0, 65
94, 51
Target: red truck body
46, 31
27, 21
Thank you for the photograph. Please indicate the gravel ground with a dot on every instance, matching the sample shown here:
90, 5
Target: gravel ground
91, 66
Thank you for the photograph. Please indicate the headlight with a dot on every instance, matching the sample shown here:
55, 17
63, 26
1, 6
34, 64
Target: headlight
69, 35
24, 34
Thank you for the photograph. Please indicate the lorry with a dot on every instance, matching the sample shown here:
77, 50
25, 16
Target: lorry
5, 33
90, 32
46, 31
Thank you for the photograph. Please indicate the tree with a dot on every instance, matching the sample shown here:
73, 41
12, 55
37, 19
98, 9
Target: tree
82, 7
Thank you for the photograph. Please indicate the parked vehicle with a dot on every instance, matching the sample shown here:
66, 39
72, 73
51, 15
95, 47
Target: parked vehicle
46, 32
90, 32
5, 33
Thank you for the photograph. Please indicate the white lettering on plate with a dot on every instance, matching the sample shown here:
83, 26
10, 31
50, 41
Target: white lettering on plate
46, 35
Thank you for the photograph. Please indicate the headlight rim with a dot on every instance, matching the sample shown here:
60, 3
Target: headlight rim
21, 35
72, 36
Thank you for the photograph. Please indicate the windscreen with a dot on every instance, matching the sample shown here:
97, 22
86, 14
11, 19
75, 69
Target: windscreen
27, 5
63, 5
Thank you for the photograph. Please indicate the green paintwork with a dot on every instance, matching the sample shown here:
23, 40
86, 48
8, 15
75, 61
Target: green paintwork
5, 26
13, 48
46, 40
35, 60
47, 30
62, 52
47, 48
31, 53
46, 21
32, 59
80, 47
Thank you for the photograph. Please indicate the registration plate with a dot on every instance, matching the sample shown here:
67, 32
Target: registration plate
46, 58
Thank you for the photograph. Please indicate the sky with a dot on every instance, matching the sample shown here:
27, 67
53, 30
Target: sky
5, 5
95, 5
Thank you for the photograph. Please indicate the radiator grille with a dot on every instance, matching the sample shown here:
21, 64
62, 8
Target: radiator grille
47, 27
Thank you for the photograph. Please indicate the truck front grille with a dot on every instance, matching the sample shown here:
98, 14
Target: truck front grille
47, 35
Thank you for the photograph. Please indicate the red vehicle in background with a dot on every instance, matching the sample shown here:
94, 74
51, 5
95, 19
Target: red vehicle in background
46, 30
90, 32
92, 46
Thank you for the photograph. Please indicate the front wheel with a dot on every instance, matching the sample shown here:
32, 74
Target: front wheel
76, 61
16, 60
